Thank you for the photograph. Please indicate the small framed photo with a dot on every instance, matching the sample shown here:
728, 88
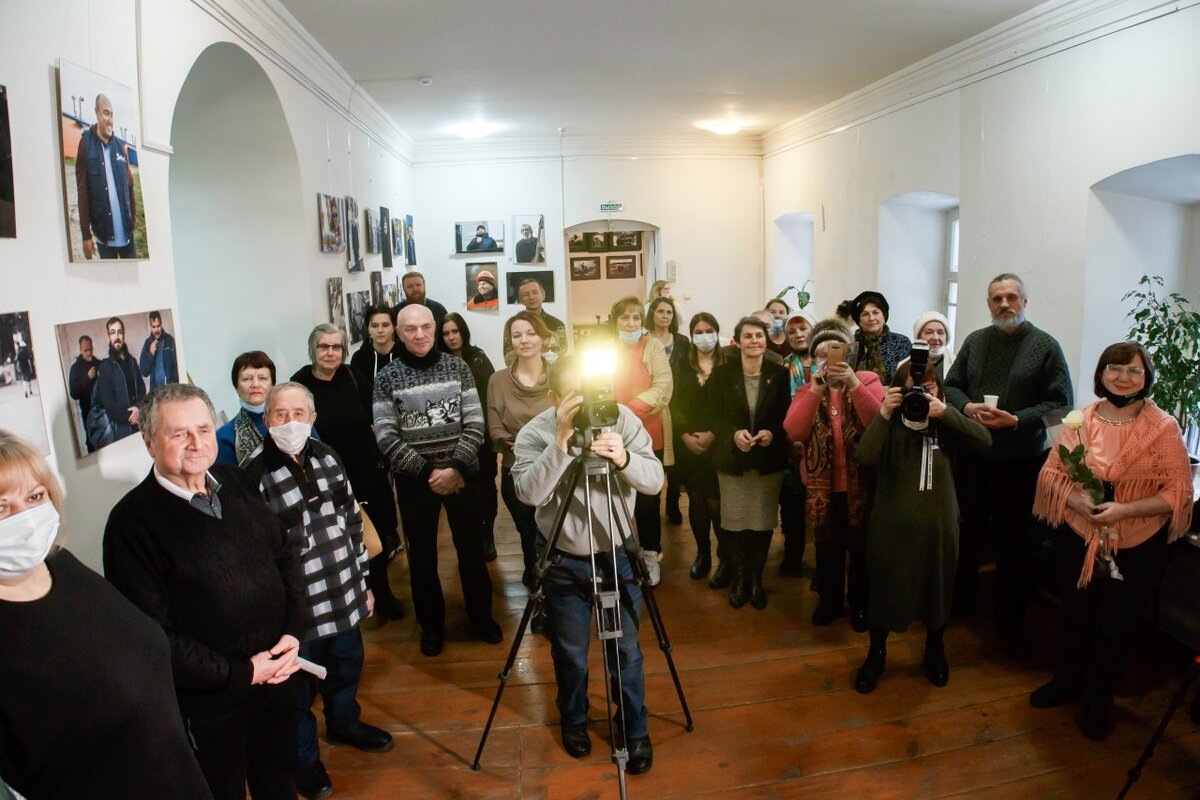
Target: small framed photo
515, 280
620, 267
624, 240
585, 269
576, 243
596, 242
479, 236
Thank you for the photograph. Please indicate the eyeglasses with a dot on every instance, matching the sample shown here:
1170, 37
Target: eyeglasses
1116, 370
329, 348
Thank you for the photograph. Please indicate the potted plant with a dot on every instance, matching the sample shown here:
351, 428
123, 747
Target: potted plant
1166, 325
803, 297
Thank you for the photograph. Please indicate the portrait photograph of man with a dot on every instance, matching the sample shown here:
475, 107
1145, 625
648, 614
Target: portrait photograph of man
530, 245
479, 236
102, 185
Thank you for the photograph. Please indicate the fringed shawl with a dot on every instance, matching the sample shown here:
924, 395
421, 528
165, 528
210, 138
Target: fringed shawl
1153, 461
818, 465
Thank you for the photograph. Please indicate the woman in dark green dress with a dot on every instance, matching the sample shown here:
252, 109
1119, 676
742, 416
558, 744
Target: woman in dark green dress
912, 536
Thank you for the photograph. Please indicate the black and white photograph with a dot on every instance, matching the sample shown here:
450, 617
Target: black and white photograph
337, 306
20, 394
330, 220
482, 286
410, 242
372, 226
513, 281
385, 236
354, 259
585, 269
479, 236
356, 313
530, 245
8, 203
624, 241
596, 242
376, 287
391, 292
109, 364
576, 243
398, 238
620, 267
102, 185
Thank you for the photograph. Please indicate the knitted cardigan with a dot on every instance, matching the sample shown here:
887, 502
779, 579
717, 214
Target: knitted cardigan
1153, 461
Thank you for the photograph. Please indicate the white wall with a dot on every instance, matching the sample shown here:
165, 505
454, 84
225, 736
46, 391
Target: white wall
35, 273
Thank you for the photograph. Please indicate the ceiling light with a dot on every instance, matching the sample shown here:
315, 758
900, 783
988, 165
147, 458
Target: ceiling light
474, 130
722, 127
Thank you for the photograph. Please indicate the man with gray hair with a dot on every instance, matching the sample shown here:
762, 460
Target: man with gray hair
429, 425
196, 548
305, 484
1008, 377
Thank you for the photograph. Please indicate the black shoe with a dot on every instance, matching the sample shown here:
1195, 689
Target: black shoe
641, 755
432, 643
490, 633
674, 517
701, 566
1052, 694
362, 736
575, 740
858, 620
1012, 639
868, 674
826, 613
740, 594
722, 576
489, 552
312, 781
758, 595
537, 624
527, 577
936, 669
790, 569
1094, 722
389, 606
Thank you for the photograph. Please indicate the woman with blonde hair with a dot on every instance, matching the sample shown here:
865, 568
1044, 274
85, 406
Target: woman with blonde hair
66, 633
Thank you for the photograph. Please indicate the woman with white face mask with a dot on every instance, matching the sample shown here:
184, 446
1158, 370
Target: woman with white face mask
777, 340
68, 634
253, 376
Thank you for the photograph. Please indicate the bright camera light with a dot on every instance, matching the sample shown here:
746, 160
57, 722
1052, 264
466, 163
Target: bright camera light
599, 362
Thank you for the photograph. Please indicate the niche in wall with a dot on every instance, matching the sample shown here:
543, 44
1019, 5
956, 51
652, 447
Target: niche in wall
1142, 220
603, 266
242, 234
918, 262
791, 254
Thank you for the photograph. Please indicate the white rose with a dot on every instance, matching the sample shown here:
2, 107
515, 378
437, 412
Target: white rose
1073, 420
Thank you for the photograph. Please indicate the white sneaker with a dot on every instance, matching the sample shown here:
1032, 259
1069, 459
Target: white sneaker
652, 558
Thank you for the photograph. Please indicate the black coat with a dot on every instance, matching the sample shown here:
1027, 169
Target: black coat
729, 411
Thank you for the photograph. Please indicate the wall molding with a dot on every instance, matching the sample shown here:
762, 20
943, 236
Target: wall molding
1043, 31
269, 29
547, 148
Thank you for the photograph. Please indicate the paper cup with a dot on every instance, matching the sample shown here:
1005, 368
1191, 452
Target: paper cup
991, 400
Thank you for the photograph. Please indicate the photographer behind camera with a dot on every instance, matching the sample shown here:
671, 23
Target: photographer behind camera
544, 451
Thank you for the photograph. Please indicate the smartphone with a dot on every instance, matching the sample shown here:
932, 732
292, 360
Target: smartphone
835, 352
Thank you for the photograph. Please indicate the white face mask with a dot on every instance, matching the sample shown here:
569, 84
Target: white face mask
291, 436
258, 409
26, 539
705, 342
630, 337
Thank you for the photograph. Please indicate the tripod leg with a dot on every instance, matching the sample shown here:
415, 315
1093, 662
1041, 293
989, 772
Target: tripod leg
1136, 771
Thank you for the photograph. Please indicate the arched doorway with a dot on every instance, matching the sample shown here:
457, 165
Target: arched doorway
237, 218
606, 260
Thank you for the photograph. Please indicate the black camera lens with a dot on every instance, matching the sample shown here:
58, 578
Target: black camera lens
913, 405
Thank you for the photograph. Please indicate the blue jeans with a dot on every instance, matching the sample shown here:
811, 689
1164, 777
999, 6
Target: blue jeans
342, 655
569, 615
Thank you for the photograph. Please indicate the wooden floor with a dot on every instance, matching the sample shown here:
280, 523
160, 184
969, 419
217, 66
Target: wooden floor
775, 713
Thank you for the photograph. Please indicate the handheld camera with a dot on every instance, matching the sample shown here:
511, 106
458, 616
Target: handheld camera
913, 405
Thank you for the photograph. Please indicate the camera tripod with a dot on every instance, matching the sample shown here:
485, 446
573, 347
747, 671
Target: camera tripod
606, 602
1135, 772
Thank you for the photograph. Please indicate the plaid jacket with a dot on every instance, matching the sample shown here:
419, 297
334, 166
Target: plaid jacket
317, 506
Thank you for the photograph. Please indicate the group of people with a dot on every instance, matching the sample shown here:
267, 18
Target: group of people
240, 568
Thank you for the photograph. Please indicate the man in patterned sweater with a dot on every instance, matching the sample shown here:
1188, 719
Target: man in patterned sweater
429, 425
305, 484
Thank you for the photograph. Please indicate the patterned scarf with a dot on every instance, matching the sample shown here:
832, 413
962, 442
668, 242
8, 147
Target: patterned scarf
870, 357
246, 437
818, 456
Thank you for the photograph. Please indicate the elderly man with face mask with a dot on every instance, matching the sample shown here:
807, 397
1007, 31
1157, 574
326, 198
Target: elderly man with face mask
196, 549
305, 484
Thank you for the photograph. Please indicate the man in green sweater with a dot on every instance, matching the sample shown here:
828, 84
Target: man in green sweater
1024, 368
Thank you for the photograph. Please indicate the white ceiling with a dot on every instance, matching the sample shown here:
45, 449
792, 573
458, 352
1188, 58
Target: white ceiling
628, 67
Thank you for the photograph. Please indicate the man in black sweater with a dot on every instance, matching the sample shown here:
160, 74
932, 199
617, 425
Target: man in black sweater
1025, 369
197, 549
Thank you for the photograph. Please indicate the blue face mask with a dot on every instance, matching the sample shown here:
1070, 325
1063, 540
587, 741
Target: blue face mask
776, 326
258, 409
630, 337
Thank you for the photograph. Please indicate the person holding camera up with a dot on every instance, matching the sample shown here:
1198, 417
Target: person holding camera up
544, 450
829, 414
912, 536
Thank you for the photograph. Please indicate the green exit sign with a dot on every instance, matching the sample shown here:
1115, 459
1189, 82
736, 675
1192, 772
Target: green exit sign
608, 208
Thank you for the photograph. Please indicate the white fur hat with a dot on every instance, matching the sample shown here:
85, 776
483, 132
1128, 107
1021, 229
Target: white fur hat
927, 317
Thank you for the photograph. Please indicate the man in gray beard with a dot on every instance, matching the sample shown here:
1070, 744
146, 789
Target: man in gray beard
1024, 368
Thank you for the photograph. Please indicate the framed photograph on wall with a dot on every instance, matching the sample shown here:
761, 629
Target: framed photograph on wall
530, 245
337, 307
372, 224
356, 314
482, 286
410, 242
585, 269
385, 236
596, 242
398, 238
20, 392
330, 221
576, 243
391, 293
376, 287
8, 204
354, 259
513, 281
619, 267
109, 365
99, 136
624, 240
479, 236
